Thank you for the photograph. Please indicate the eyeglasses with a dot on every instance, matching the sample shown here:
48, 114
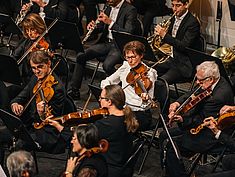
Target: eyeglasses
202, 80
38, 67
103, 98
130, 57
31, 30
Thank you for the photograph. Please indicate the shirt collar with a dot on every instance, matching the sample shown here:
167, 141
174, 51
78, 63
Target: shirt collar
182, 16
119, 5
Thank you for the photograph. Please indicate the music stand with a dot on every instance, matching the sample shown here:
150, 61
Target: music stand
17, 129
64, 35
9, 24
9, 70
96, 91
121, 38
197, 57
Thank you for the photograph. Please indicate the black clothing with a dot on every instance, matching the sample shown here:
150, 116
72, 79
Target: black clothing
202, 142
96, 162
48, 137
113, 129
105, 50
179, 68
150, 9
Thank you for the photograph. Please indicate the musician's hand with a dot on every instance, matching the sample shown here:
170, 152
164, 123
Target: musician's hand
17, 108
211, 123
71, 164
54, 123
104, 18
226, 109
160, 31
41, 108
144, 96
173, 107
91, 25
40, 3
25, 7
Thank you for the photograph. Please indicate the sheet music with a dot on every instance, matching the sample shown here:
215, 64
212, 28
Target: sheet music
2, 173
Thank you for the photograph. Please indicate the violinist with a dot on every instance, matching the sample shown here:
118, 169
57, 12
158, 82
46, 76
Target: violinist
32, 26
86, 137
208, 78
53, 102
134, 52
228, 165
117, 128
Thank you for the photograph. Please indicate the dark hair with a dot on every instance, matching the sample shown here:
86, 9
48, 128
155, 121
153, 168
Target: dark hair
134, 46
40, 56
87, 135
34, 21
183, 1
117, 96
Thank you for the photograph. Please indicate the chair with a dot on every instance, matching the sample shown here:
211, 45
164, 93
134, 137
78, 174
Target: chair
161, 93
62, 70
128, 167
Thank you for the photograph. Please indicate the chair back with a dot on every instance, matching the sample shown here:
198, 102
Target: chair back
69, 105
202, 43
128, 167
161, 93
62, 70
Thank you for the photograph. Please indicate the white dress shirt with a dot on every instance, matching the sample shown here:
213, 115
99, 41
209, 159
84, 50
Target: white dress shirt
132, 99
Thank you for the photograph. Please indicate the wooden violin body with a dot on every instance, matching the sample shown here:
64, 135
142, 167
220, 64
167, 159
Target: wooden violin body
76, 118
224, 121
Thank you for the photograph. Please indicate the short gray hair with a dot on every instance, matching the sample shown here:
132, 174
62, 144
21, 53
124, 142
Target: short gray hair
210, 69
19, 162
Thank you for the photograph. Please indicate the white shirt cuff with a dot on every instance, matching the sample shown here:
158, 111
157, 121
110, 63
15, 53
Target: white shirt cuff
218, 134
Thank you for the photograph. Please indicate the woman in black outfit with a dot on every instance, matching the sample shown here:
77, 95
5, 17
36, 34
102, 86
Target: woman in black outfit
117, 128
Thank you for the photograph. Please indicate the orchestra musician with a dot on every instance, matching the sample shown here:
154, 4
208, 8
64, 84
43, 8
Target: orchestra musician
119, 16
86, 137
208, 79
134, 53
228, 165
32, 26
117, 128
53, 102
184, 31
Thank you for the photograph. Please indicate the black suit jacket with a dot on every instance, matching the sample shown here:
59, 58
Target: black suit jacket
221, 95
126, 21
187, 36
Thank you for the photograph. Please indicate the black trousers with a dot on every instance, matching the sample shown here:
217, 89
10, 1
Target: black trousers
105, 52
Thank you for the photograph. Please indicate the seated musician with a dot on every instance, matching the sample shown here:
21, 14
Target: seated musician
219, 93
227, 161
86, 137
32, 26
53, 103
118, 16
117, 128
184, 31
139, 103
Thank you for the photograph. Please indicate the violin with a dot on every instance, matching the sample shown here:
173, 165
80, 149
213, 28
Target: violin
46, 92
76, 118
137, 77
224, 121
41, 45
194, 100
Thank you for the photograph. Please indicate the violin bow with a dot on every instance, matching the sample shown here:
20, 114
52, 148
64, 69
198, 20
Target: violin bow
36, 42
40, 86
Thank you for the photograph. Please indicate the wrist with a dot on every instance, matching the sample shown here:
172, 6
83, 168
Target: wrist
68, 173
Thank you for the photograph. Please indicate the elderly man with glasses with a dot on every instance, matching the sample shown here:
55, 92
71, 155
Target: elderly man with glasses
215, 92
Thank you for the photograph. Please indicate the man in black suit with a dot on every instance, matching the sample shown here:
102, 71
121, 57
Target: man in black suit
184, 31
118, 16
219, 94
